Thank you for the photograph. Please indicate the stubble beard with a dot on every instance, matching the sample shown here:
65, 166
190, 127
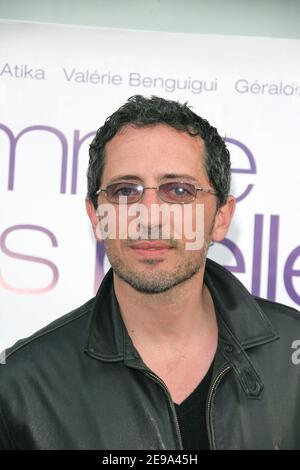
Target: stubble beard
157, 280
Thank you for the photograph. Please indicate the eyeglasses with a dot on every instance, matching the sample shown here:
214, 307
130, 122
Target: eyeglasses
176, 192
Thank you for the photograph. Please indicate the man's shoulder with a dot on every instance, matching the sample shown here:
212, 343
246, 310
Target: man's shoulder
285, 319
270, 307
68, 327
273, 308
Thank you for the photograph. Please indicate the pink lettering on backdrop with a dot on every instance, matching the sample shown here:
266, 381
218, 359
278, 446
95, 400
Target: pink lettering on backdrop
30, 258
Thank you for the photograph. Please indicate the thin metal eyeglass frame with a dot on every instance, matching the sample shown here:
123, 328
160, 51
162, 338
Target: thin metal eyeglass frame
199, 188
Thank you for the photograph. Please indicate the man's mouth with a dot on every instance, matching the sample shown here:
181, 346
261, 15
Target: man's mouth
151, 248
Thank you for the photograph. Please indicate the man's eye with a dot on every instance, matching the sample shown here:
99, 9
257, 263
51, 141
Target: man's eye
180, 190
125, 191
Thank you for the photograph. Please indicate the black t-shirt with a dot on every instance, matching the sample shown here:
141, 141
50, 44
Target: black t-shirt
191, 416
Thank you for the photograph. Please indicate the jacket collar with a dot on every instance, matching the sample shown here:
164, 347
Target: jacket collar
241, 323
238, 313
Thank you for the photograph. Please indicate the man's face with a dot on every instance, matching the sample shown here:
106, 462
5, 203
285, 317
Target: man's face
151, 154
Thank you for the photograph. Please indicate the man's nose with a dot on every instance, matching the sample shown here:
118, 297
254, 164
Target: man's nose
150, 196
151, 203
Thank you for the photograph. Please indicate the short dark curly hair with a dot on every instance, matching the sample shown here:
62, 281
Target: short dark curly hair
141, 111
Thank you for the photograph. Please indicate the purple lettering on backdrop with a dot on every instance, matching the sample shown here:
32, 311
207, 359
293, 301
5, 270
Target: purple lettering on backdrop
240, 262
33, 259
290, 272
76, 147
257, 254
273, 257
251, 170
12, 154
99, 265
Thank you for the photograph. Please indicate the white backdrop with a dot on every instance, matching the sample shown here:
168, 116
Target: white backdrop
59, 83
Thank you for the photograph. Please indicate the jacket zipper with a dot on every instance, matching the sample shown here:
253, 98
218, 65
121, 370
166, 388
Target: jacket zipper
211, 394
158, 380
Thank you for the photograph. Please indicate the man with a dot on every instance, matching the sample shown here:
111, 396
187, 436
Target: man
173, 352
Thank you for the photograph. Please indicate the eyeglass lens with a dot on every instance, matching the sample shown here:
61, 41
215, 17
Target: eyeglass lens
173, 192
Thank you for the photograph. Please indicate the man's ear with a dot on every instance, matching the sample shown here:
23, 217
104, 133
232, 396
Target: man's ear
93, 216
222, 219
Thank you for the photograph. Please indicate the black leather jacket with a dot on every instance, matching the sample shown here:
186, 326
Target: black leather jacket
80, 384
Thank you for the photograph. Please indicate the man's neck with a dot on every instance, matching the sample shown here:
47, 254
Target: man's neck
177, 316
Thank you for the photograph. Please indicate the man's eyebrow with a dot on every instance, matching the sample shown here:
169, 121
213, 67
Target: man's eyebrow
125, 177
178, 176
